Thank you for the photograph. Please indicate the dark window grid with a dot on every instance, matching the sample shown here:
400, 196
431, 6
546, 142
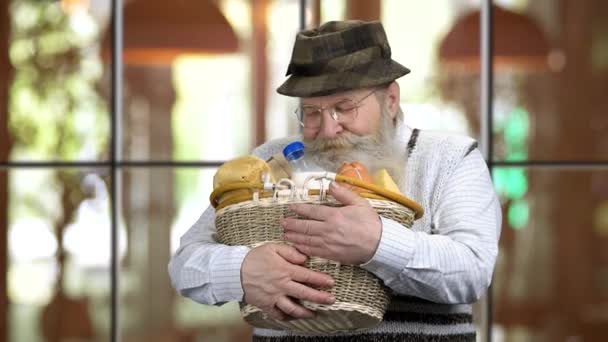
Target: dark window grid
487, 116
579, 164
114, 164
115, 156
110, 164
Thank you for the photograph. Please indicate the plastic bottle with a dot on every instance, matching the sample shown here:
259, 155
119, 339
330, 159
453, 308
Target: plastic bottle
301, 168
294, 153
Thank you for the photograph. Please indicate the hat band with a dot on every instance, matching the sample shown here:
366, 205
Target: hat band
339, 64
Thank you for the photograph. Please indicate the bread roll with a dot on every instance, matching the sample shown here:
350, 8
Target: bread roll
358, 171
248, 169
243, 169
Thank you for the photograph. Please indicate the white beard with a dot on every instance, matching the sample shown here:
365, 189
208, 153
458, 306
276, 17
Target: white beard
382, 149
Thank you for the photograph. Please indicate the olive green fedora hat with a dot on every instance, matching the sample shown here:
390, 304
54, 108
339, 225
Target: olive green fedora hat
340, 56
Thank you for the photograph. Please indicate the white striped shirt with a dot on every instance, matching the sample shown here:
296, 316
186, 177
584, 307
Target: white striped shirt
447, 256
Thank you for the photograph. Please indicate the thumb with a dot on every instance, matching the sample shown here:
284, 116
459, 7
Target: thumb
290, 254
345, 195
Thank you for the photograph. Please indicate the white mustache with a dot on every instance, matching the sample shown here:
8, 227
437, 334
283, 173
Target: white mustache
345, 141
377, 150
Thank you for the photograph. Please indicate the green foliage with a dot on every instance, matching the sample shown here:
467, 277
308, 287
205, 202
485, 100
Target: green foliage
516, 131
513, 182
518, 214
55, 110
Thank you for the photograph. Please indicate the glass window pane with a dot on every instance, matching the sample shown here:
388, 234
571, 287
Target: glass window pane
333, 10
283, 25
436, 94
196, 106
58, 255
557, 109
159, 205
551, 280
56, 111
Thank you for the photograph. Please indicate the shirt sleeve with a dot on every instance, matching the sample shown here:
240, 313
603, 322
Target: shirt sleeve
203, 269
453, 264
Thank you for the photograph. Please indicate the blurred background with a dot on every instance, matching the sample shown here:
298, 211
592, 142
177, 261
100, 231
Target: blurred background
199, 89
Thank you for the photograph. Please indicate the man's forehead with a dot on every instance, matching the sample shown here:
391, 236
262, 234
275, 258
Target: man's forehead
349, 94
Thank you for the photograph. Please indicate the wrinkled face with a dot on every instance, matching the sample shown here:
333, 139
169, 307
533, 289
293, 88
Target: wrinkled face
335, 133
329, 117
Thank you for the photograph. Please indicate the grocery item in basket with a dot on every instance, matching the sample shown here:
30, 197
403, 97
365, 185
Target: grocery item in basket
383, 179
358, 171
301, 169
361, 297
247, 169
279, 166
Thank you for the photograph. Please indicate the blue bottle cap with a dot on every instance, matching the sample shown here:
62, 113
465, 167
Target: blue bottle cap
296, 148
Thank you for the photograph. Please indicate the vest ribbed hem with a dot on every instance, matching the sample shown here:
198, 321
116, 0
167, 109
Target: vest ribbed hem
384, 337
407, 319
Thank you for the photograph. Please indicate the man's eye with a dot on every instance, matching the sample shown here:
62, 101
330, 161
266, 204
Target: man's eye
346, 106
311, 112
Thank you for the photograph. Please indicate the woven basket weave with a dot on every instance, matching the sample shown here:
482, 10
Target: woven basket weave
361, 298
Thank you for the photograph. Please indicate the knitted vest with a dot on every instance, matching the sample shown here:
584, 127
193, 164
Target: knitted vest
431, 158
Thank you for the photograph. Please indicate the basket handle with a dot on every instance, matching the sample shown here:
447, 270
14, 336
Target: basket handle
376, 191
393, 196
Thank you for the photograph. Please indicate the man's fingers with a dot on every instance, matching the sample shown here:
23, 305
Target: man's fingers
306, 227
305, 276
304, 292
277, 314
290, 254
313, 251
346, 196
303, 239
312, 211
292, 309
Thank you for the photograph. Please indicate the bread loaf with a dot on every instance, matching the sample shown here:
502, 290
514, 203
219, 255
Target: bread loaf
242, 169
249, 169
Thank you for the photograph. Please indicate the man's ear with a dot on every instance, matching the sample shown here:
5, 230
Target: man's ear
392, 98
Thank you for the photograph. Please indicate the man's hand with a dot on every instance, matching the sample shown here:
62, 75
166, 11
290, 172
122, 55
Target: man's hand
349, 234
271, 276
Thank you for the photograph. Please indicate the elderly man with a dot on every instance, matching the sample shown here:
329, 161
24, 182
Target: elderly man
344, 74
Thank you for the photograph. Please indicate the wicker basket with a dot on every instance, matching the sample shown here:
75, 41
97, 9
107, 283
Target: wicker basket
361, 298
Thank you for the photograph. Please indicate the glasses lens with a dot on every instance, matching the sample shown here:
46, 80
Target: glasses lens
310, 117
346, 110
346, 106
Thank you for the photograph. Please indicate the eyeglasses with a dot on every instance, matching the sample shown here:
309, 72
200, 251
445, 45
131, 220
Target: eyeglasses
344, 112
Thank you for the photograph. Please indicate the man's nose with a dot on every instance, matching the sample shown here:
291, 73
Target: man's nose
330, 128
